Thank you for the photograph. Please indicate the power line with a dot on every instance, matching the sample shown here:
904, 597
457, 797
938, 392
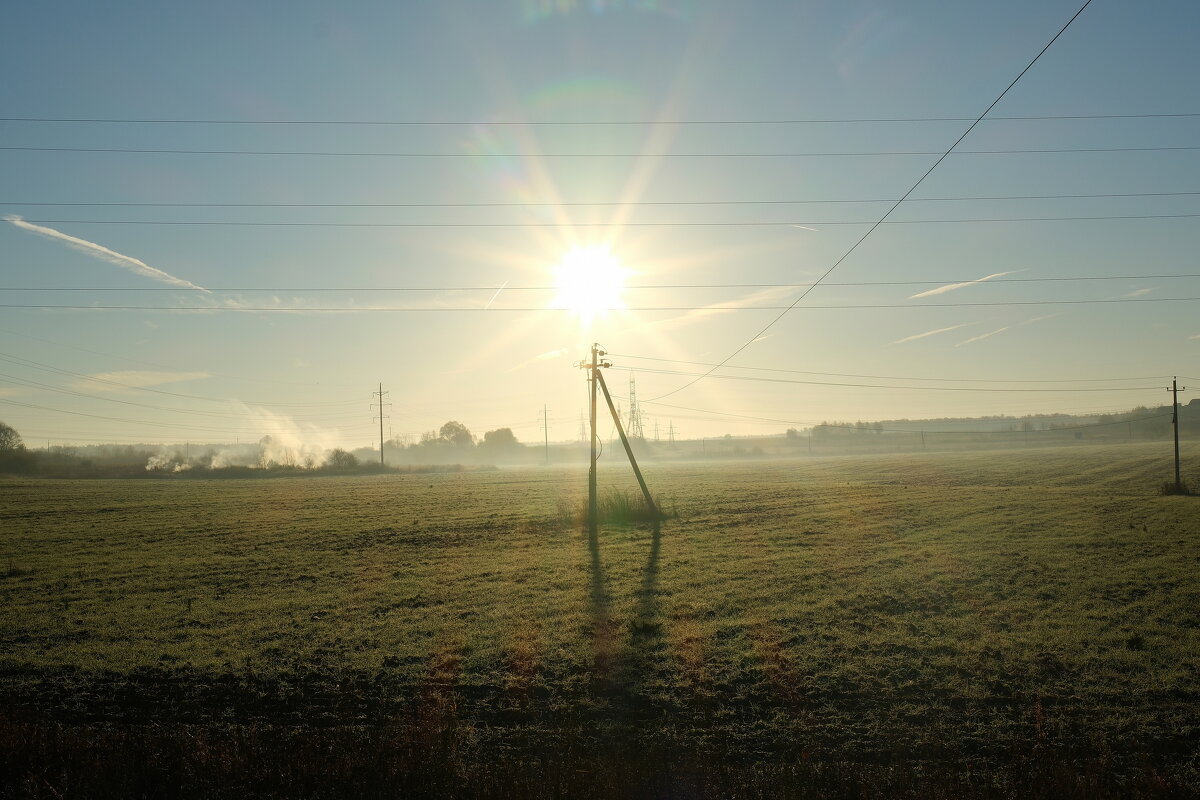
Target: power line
914, 422
29, 363
547, 288
894, 377
888, 213
512, 309
146, 363
170, 425
763, 379
937, 420
601, 203
610, 224
437, 155
585, 123
16, 381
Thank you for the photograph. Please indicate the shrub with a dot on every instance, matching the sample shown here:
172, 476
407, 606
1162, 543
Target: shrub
613, 505
340, 459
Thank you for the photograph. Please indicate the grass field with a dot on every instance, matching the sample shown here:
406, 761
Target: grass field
1007, 624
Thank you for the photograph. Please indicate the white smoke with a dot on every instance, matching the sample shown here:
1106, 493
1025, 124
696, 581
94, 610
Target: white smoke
284, 443
167, 462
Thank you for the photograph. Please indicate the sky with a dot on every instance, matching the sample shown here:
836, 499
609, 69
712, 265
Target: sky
284, 259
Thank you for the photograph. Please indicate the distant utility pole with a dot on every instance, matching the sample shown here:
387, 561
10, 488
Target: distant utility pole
1175, 387
381, 394
656, 430
581, 433
546, 431
671, 434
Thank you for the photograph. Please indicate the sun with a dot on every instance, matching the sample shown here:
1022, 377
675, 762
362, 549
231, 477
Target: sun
589, 281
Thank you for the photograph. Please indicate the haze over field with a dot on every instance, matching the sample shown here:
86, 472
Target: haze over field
210, 232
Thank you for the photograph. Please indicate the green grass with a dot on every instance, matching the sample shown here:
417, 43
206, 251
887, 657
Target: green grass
976, 619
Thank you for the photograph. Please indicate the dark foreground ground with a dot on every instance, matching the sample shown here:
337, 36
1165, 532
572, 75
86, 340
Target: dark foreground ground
958, 626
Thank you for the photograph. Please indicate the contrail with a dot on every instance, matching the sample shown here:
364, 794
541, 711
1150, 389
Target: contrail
950, 287
930, 333
983, 336
497, 294
1007, 327
104, 254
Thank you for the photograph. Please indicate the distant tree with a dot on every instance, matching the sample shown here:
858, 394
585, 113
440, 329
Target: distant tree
456, 434
340, 459
13, 455
792, 433
9, 438
501, 438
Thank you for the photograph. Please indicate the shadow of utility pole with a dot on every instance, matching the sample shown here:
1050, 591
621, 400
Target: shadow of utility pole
625, 669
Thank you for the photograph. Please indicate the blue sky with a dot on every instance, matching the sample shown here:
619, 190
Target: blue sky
493, 360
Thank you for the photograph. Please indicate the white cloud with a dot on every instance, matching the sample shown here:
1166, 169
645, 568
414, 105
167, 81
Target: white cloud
104, 254
950, 287
103, 381
1139, 292
930, 333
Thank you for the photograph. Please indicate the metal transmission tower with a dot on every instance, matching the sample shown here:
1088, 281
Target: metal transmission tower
635, 413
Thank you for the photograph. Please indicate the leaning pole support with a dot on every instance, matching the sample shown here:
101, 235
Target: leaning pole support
625, 441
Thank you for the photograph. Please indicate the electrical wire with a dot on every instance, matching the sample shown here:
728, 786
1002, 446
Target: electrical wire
16, 381
638, 287
526, 309
938, 421
149, 363
29, 363
601, 204
170, 425
718, 155
575, 224
763, 379
888, 213
584, 123
911, 430
889, 377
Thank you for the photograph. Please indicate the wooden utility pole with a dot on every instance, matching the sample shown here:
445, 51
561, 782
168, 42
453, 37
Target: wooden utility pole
593, 372
1175, 423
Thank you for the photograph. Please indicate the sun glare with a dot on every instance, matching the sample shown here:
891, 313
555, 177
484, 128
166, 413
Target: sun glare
589, 281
